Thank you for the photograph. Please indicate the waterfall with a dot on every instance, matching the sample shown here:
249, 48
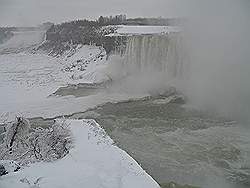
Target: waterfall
154, 53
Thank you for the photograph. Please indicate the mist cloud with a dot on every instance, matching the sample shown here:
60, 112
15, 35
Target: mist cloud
218, 41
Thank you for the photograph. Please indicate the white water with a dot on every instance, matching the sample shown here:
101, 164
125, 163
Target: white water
154, 53
151, 64
210, 76
211, 72
214, 76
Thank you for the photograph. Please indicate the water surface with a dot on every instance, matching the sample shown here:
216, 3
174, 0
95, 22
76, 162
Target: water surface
173, 143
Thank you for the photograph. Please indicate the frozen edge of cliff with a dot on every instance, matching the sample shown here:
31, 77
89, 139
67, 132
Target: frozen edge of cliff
93, 162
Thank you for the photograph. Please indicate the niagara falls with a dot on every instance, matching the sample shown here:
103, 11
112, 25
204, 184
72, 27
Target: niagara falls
124, 94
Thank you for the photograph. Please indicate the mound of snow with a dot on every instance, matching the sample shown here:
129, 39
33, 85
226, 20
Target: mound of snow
94, 162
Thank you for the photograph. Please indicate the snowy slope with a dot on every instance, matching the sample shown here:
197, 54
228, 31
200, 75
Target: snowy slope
94, 162
86, 64
28, 80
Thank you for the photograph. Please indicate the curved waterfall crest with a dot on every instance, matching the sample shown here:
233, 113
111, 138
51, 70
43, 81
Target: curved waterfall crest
157, 53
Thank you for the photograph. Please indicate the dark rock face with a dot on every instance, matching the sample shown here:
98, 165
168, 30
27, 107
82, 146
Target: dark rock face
2, 170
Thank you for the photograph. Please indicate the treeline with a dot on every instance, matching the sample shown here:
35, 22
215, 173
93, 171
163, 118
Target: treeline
112, 20
122, 20
79, 31
62, 37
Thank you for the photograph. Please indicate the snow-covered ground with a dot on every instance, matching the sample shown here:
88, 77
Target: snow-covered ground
144, 30
27, 81
86, 64
94, 162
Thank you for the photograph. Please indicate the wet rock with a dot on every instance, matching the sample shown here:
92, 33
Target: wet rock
2, 170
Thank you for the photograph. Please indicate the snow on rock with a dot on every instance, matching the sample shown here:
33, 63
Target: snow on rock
94, 162
85, 63
143, 30
27, 80
8, 166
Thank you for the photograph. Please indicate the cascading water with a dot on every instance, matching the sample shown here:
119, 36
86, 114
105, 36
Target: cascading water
196, 147
154, 53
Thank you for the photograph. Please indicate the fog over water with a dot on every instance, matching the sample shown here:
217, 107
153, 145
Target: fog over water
216, 37
209, 62
218, 41
213, 67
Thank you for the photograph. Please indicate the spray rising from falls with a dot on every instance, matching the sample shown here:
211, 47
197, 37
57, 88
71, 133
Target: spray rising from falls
151, 64
200, 70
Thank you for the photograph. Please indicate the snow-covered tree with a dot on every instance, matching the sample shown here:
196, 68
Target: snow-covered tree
17, 130
26, 145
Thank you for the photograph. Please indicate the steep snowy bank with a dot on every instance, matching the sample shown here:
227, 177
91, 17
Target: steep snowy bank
93, 162
27, 80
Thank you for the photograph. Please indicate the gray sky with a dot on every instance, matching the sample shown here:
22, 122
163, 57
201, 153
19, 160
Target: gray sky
32, 12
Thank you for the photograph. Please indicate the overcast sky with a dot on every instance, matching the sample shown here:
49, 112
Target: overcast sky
32, 12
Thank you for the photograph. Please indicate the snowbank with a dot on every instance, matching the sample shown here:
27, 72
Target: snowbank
94, 162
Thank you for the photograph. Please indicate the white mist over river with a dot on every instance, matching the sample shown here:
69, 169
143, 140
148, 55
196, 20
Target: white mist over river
217, 36
209, 62
210, 66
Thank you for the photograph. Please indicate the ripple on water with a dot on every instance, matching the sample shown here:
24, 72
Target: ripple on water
175, 144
